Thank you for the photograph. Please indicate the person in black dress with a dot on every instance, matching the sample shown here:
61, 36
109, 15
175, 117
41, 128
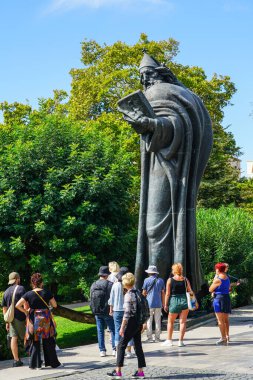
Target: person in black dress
40, 323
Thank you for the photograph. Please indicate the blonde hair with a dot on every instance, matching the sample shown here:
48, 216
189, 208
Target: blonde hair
177, 268
128, 279
113, 266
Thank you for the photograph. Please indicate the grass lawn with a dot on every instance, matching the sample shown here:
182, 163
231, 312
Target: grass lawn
71, 334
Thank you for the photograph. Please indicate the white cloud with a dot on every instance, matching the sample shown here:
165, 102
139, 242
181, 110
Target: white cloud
67, 5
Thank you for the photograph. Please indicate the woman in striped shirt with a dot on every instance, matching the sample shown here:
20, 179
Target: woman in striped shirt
129, 329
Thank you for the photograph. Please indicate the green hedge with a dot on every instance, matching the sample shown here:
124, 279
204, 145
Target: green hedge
5, 352
226, 235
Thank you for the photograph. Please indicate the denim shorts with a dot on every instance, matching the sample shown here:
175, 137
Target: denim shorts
178, 302
221, 303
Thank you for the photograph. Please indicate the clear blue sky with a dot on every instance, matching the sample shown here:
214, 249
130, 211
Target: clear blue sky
40, 43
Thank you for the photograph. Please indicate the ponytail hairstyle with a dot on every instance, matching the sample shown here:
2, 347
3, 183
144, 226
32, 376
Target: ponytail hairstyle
36, 280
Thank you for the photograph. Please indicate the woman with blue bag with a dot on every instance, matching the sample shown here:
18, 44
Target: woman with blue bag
176, 303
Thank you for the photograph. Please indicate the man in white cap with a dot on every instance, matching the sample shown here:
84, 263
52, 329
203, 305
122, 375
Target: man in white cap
15, 329
154, 289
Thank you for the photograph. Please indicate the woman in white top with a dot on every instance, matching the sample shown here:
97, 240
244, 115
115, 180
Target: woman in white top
114, 269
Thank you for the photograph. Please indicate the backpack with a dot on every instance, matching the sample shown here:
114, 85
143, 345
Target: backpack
99, 298
142, 308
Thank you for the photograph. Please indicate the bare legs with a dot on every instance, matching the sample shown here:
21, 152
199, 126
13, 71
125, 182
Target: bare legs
182, 320
14, 347
226, 320
223, 323
171, 319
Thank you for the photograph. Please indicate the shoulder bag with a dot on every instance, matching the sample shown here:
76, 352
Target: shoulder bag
9, 315
191, 298
152, 285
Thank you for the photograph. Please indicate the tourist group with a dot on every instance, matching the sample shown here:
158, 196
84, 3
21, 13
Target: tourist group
119, 307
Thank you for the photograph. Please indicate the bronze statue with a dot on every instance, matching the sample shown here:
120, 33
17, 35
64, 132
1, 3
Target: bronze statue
176, 141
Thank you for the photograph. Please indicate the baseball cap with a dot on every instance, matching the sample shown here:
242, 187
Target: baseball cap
13, 276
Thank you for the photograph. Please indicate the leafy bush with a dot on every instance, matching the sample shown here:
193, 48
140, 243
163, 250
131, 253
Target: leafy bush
65, 199
226, 235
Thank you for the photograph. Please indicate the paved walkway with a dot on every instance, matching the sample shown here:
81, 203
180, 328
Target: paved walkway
199, 359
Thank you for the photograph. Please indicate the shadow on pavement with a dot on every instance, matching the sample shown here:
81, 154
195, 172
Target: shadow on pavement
188, 376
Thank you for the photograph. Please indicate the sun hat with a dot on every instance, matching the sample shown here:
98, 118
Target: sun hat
152, 269
104, 271
13, 276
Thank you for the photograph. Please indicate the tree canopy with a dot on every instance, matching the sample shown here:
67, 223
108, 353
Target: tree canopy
111, 72
245, 196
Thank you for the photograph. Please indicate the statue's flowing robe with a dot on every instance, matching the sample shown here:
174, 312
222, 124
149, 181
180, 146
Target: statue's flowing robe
173, 159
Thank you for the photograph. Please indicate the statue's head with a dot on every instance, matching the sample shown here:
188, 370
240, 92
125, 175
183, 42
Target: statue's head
152, 71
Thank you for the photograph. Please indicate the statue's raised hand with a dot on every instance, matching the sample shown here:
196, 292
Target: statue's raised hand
141, 124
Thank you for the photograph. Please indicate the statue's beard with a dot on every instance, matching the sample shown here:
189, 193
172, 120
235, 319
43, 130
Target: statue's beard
152, 83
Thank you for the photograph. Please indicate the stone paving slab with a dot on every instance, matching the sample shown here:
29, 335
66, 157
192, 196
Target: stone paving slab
199, 359
158, 373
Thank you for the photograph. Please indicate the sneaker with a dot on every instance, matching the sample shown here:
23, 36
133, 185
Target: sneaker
129, 355
158, 340
115, 375
102, 354
17, 363
138, 375
60, 366
167, 343
149, 340
181, 343
221, 341
114, 352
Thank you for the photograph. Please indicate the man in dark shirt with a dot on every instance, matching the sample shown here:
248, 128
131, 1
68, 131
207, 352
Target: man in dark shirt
15, 329
99, 296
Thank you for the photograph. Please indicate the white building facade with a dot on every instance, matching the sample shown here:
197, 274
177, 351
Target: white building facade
250, 169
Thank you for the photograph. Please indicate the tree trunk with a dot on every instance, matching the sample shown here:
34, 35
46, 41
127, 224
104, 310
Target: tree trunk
73, 315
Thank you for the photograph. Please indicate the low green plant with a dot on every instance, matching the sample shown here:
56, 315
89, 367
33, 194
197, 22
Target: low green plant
72, 334
69, 333
226, 235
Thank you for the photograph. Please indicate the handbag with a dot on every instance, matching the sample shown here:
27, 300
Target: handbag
9, 315
191, 299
